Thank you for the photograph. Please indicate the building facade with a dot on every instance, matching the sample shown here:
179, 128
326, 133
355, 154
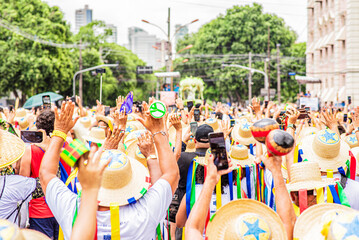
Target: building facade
333, 49
145, 46
82, 17
113, 37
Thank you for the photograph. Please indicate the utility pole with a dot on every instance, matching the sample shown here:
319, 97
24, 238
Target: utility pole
80, 68
268, 65
278, 73
250, 78
169, 60
266, 83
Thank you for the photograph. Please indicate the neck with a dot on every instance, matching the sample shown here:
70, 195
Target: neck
101, 209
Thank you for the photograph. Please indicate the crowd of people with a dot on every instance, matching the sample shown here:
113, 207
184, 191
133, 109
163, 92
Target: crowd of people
74, 172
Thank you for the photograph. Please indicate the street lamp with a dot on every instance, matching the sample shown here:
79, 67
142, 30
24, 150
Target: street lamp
169, 39
185, 48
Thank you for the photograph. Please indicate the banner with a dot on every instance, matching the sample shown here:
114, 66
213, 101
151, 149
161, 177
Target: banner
313, 103
168, 97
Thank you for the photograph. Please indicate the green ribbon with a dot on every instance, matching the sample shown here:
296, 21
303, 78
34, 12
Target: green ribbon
255, 181
193, 187
342, 196
158, 230
239, 192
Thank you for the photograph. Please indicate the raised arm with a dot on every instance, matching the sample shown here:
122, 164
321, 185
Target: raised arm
166, 158
50, 161
283, 202
292, 119
175, 120
197, 218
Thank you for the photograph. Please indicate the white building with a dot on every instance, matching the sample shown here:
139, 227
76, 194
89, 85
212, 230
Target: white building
82, 17
333, 49
113, 37
145, 46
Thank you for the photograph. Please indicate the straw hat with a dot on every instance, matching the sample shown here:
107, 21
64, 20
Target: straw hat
203, 161
124, 180
10, 231
96, 135
242, 134
20, 113
213, 122
306, 132
313, 220
21, 117
172, 133
131, 117
85, 122
306, 175
12, 148
240, 156
246, 219
133, 151
327, 149
351, 140
133, 136
133, 126
82, 128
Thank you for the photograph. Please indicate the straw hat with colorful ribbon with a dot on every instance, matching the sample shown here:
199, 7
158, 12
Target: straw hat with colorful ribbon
96, 135
306, 131
73, 151
203, 161
9, 231
12, 148
327, 221
351, 140
326, 148
240, 156
214, 123
245, 219
306, 175
21, 117
124, 181
242, 134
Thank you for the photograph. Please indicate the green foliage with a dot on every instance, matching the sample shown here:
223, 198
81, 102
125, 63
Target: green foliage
241, 30
27, 65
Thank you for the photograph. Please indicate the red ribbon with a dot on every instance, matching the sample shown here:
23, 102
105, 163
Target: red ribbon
353, 165
303, 200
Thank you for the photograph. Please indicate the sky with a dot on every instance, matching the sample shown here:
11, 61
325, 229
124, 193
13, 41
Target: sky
128, 13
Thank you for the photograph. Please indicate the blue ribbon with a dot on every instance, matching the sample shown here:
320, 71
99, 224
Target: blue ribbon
188, 188
300, 153
341, 171
64, 174
230, 180
248, 181
271, 201
334, 194
251, 149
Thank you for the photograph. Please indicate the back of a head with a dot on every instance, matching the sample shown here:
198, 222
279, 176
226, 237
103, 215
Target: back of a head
202, 133
46, 121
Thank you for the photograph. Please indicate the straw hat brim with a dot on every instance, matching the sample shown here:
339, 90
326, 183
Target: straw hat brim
240, 139
203, 161
95, 140
12, 148
325, 163
249, 161
103, 118
217, 227
311, 219
29, 234
131, 190
309, 185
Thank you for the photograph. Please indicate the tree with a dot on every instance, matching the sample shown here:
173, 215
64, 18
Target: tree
27, 65
228, 39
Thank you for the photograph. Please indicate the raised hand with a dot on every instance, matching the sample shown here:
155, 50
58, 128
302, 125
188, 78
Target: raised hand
355, 118
256, 106
225, 128
175, 120
293, 115
113, 139
120, 119
330, 120
212, 173
63, 119
145, 143
152, 124
179, 103
119, 102
100, 110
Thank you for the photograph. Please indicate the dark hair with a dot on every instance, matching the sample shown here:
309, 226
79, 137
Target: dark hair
46, 121
198, 105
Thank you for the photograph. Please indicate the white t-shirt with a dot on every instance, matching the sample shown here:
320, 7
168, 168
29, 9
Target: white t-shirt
137, 221
17, 188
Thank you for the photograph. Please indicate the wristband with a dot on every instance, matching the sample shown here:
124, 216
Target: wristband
151, 157
161, 132
59, 134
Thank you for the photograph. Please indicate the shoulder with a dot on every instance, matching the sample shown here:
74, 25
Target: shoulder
13, 180
187, 157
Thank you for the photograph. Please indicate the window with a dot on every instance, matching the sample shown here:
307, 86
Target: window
321, 55
332, 49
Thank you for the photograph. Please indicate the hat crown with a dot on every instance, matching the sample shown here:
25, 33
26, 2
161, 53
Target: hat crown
304, 172
85, 121
212, 122
352, 140
98, 133
248, 226
118, 173
346, 224
20, 113
326, 144
9, 230
239, 152
244, 130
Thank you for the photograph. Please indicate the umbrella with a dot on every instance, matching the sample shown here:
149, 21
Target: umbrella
36, 101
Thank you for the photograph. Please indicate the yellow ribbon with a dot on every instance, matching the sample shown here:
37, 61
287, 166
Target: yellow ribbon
115, 221
296, 210
218, 194
295, 160
320, 195
329, 173
183, 236
329, 196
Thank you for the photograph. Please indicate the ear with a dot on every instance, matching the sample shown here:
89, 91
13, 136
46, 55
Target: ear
293, 196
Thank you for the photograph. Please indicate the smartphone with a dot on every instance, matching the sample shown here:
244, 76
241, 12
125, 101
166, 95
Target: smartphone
193, 127
197, 114
265, 103
218, 149
32, 136
107, 110
303, 114
46, 101
11, 107
189, 105
345, 119
232, 122
349, 99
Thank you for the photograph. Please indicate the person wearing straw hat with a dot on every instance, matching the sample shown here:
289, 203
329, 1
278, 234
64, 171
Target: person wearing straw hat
131, 217
14, 189
332, 155
242, 134
327, 221
11, 231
